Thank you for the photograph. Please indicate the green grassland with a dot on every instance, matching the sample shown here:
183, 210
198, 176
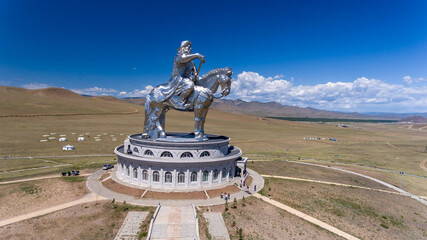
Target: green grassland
389, 146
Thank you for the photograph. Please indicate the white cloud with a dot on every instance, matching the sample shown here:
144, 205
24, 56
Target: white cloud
361, 95
409, 80
35, 85
5, 82
95, 91
136, 92
251, 85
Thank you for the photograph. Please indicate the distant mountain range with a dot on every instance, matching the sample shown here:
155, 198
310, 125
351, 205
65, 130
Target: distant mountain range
18, 101
274, 109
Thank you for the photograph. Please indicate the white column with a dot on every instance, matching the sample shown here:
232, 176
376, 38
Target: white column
139, 171
188, 178
162, 177
174, 180
150, 177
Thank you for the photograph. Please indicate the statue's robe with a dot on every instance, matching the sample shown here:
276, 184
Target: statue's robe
173, 87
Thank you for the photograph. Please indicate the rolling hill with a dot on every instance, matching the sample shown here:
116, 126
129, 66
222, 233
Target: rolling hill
274, 109
57, 101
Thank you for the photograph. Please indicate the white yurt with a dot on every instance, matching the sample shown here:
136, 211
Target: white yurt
68, 148
80, 139
62, 139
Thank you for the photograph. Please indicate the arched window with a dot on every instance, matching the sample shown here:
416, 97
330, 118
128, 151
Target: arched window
187, 155
148, 153
193, 177
205, 154
181, 177
215, 174
135, 173
230, 173
224, 173
166, 154
156, 176
205, 176
145, 175
128, 170
135, 149
168, 177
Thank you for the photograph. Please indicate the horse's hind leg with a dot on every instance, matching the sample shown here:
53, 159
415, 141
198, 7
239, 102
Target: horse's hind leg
148, 112
198, 130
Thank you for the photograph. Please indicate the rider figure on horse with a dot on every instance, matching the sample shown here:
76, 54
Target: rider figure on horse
181, 83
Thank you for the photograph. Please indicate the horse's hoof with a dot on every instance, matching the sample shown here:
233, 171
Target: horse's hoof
162, 135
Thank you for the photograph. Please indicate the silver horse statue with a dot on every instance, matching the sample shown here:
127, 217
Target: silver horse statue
199, 100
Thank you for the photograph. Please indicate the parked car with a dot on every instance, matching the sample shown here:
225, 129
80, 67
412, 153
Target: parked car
68, 173
107, 166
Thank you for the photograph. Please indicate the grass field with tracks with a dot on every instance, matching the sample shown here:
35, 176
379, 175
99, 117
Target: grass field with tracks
390, 146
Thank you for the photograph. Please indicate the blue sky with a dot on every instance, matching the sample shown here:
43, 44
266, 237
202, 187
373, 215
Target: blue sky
336, 55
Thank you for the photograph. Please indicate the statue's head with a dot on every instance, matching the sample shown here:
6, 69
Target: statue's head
185, 46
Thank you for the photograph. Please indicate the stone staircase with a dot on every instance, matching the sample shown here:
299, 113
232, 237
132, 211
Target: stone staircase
216, 226
130, 227
174, 223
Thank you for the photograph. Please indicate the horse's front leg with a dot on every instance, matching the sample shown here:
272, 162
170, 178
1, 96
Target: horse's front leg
204, 113
161, 124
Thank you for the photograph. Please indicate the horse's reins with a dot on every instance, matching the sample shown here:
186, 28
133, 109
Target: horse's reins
197, 75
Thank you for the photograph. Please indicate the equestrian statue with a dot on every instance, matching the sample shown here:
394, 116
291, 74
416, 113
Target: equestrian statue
185, 91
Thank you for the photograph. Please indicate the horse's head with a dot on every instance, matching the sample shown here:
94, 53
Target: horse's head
220, 77
225, 81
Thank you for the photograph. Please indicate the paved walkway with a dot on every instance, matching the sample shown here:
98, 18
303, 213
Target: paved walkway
91, 197
175, 223
94, 185
306, 217
130, 227
216, 226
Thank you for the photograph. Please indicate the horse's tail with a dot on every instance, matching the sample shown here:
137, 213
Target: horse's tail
147, 102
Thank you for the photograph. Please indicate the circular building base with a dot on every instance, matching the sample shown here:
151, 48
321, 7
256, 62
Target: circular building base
95, 185
179, 162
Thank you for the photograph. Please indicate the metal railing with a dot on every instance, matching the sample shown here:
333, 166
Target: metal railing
197, 222
153, 218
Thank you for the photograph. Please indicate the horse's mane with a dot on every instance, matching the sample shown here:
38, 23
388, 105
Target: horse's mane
215, 72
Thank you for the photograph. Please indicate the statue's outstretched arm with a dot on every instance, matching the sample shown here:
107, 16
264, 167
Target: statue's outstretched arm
189, 57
